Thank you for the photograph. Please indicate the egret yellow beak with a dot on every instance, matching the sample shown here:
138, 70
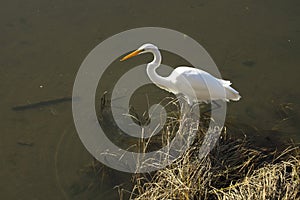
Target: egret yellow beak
135, 53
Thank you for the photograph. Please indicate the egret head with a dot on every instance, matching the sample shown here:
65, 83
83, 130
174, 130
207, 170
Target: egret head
143, 49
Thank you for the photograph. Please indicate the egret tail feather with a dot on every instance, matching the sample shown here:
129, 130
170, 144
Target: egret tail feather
232, 94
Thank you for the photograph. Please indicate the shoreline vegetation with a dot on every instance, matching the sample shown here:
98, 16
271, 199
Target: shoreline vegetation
233, 170
236, 168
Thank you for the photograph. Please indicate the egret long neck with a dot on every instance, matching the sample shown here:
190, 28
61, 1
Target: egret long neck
151, 71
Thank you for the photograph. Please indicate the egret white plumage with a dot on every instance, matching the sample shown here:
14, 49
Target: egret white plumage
195, 84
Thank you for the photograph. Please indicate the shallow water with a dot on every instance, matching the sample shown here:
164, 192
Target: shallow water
255, 44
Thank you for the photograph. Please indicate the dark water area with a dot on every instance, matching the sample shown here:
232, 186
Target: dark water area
255, 44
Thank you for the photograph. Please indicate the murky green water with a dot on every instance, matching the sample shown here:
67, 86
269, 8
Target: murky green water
256, 44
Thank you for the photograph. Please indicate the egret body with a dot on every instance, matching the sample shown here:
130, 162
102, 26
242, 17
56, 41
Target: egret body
195, 84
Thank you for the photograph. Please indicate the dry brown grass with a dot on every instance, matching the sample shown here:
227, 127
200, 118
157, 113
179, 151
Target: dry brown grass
272, 181
234, 170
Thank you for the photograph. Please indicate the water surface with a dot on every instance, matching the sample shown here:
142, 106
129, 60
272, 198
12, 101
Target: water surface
255, 44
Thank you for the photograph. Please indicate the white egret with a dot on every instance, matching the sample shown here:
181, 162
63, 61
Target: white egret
195, 84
